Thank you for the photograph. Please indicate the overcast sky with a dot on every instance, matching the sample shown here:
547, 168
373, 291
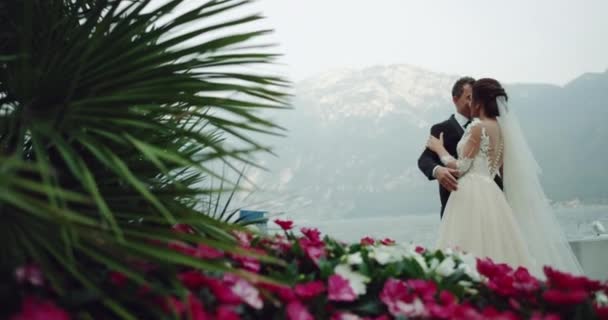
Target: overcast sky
551, 41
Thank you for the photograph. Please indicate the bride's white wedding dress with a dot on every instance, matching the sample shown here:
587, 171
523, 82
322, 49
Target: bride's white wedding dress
478, 219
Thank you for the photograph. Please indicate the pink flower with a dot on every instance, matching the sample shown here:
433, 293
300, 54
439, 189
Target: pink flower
207, 252
284, 292
247, 262
284, 224
226, 313
400, 301
566, 297
196, 311
182, 248
183, 228
425, 289
223, 291
345, 316
297, 311
32, 308
388, 242
31, 274
368, 241
243, 289
339, 289
118, 279
420, 249
312, 234
310, 289
313, 250
244, 238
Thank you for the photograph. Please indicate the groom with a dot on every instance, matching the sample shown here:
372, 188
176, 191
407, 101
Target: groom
452, 129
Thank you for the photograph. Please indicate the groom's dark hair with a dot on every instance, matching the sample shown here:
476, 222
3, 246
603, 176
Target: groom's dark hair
458, 87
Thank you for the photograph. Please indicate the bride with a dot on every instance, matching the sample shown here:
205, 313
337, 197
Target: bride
518, 226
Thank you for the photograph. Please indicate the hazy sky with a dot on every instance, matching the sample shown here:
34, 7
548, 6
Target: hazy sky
549, 41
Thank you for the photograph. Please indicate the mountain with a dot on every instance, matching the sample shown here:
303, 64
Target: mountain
355, 135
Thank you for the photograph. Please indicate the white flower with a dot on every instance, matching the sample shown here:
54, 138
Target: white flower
446, 267
355, 279
464, 283
470, 271
414, 309
385, 254
601, 298
354, 258
434, 263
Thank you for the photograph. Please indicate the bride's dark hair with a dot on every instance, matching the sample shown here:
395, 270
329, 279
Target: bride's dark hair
485, 92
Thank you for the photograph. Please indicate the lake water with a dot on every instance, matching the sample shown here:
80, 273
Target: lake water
422, 228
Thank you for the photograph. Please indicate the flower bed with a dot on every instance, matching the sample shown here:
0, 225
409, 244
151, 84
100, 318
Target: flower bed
327, 279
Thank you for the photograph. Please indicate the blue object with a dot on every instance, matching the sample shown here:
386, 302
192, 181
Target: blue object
253, 215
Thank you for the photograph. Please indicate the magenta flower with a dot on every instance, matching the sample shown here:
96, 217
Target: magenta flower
244, 290
297, 311
388, 242
312, 234
183, 228
368, 241
225, 312
207, 252
313, 250
32, 308
196, 311
310, 289
118, 279
286, 225
339, 289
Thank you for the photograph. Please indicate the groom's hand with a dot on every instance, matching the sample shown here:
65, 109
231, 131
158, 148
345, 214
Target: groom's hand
447, 178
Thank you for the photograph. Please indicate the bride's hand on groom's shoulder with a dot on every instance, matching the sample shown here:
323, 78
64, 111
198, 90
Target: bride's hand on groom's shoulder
435, 144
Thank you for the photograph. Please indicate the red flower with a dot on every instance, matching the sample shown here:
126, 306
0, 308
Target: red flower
539, 316
297, 311
525, 282
226, 313
118, 279
183, 228
314, 250
196, 311
284, 224
172, 305
339, 289
222, 291
207, 252
193, 279
388, 242
247, 262
144, 290
32, 308
569, 297
368, 241
284, 292
425, 289
312, 234
562, 280
31, 274
182, 248
420, 249
309, 290
488, 268
602, 312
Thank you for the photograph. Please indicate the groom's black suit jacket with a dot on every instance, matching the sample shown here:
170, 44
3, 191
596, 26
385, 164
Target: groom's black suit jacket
452, 132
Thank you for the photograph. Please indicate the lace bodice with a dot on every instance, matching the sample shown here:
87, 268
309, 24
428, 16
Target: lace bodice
480, 149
